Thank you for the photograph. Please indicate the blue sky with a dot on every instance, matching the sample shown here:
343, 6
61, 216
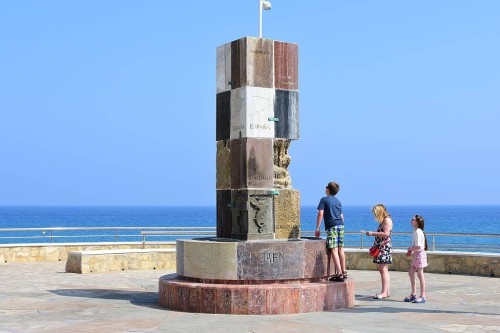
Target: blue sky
113, 102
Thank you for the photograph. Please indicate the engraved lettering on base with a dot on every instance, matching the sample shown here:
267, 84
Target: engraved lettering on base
273, 257
320, 254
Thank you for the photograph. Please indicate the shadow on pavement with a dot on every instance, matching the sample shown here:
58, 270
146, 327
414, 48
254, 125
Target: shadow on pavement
140, 298
406, 307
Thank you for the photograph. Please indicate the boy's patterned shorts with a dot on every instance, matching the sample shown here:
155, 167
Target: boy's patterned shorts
335, 237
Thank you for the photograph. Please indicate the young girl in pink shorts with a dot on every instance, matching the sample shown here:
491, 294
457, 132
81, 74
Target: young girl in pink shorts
419, 260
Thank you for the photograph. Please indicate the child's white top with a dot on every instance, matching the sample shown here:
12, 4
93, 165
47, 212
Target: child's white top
419, 239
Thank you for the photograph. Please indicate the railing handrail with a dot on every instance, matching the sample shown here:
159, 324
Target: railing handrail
141, 233
453, 234
104, 228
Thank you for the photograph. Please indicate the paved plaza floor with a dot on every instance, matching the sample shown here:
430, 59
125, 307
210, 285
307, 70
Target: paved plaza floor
41, 297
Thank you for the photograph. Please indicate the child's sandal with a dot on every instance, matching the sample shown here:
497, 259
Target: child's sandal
344, 275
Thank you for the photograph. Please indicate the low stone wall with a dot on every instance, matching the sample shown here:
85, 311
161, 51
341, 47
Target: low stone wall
120, 260
467, 263
59, 252
444, 262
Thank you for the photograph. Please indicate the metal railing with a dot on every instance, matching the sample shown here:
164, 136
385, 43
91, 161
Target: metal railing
400, 240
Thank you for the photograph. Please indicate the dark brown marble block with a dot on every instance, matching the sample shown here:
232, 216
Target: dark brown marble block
251, 163
252, 63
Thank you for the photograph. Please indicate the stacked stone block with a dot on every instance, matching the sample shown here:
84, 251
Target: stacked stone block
257, 117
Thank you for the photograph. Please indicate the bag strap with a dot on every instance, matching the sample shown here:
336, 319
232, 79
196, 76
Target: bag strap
385, 242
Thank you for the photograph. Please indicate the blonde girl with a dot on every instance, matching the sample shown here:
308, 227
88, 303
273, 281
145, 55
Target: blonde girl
383, 241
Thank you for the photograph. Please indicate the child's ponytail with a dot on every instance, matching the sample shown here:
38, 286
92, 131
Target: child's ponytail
420, 224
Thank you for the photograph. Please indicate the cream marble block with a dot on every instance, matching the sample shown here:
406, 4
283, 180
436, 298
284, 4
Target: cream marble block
224, 68
209, 260
251, 108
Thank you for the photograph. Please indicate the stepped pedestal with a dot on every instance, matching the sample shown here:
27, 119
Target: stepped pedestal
253, 277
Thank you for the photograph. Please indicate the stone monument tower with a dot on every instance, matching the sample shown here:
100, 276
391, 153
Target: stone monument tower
257, 117
257, 264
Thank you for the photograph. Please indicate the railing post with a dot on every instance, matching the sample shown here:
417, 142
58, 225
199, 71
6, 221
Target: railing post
433, 242
362, 240
52, 236
143, 241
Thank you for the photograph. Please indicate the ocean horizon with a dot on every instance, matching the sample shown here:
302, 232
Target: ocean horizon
438, 218
471, 219
483, 219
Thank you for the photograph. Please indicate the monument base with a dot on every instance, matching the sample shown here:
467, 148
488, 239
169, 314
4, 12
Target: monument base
254, 299
217, 275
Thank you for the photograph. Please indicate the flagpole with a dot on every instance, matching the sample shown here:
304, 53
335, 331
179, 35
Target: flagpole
266, 5
260, 18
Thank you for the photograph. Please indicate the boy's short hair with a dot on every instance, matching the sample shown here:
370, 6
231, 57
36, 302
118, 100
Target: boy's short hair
333, 187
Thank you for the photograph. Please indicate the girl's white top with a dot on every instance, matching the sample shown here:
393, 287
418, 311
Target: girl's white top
419, 239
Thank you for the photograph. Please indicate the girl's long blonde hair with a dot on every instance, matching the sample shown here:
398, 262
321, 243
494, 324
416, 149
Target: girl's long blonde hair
380, 213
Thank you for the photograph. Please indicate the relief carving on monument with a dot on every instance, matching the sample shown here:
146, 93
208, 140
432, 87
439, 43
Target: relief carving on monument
260, 206
282, 160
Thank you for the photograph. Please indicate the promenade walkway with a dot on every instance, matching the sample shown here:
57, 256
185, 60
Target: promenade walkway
41, 297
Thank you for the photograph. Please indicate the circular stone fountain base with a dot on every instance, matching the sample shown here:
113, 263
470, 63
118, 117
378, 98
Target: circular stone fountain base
254, 299
229, 276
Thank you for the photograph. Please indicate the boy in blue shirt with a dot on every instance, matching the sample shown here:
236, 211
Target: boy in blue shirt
330, 209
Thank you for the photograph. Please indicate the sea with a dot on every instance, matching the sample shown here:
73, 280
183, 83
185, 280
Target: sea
438, 219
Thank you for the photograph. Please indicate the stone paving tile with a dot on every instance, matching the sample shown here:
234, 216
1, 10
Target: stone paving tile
41, 297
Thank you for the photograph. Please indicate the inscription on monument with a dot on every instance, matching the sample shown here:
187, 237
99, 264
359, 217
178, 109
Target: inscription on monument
238, 127
260, 177
271, 257
259, 52
260, 126
287, 80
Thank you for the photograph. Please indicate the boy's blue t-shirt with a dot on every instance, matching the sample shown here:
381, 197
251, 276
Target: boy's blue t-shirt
332, 209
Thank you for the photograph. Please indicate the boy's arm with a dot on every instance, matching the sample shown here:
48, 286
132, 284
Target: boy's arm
318, 222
